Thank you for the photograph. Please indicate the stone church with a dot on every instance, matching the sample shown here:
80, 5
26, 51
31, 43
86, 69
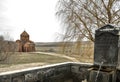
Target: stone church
24, 44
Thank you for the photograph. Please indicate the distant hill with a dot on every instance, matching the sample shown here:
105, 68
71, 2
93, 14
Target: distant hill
52, 44
65, 47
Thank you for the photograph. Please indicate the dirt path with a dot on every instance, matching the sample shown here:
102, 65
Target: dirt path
24, 66
59, 55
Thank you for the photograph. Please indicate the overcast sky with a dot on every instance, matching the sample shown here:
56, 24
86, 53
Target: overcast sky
37, 17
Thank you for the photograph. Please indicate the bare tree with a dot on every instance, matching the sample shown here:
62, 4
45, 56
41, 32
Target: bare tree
81, 17
6, 49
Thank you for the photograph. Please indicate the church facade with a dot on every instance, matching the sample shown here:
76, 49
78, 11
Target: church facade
24, 44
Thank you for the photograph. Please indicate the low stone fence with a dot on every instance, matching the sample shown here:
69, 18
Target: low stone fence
62, 72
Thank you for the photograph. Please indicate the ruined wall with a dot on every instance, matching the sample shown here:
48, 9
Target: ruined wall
65, 72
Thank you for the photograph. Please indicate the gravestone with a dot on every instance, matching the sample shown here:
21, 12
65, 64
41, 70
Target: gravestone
107, 46
106, 54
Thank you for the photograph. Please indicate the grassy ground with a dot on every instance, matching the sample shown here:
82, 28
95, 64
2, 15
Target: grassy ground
82, 58
85, 55
19, 61
26, 58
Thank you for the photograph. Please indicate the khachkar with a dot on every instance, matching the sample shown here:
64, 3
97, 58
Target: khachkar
107, 46
24, 44
106, 54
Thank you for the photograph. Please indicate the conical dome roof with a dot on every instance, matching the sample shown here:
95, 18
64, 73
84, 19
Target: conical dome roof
24, 33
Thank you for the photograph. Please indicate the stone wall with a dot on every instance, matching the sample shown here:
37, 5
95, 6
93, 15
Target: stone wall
63, 72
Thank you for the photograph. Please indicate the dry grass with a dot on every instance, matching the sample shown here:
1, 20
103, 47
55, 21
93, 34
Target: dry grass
82, 54
27, 58
83, 58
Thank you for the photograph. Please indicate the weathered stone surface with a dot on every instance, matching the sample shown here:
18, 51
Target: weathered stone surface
24, 44
65, 72
107, 46
102, 76
106, 55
